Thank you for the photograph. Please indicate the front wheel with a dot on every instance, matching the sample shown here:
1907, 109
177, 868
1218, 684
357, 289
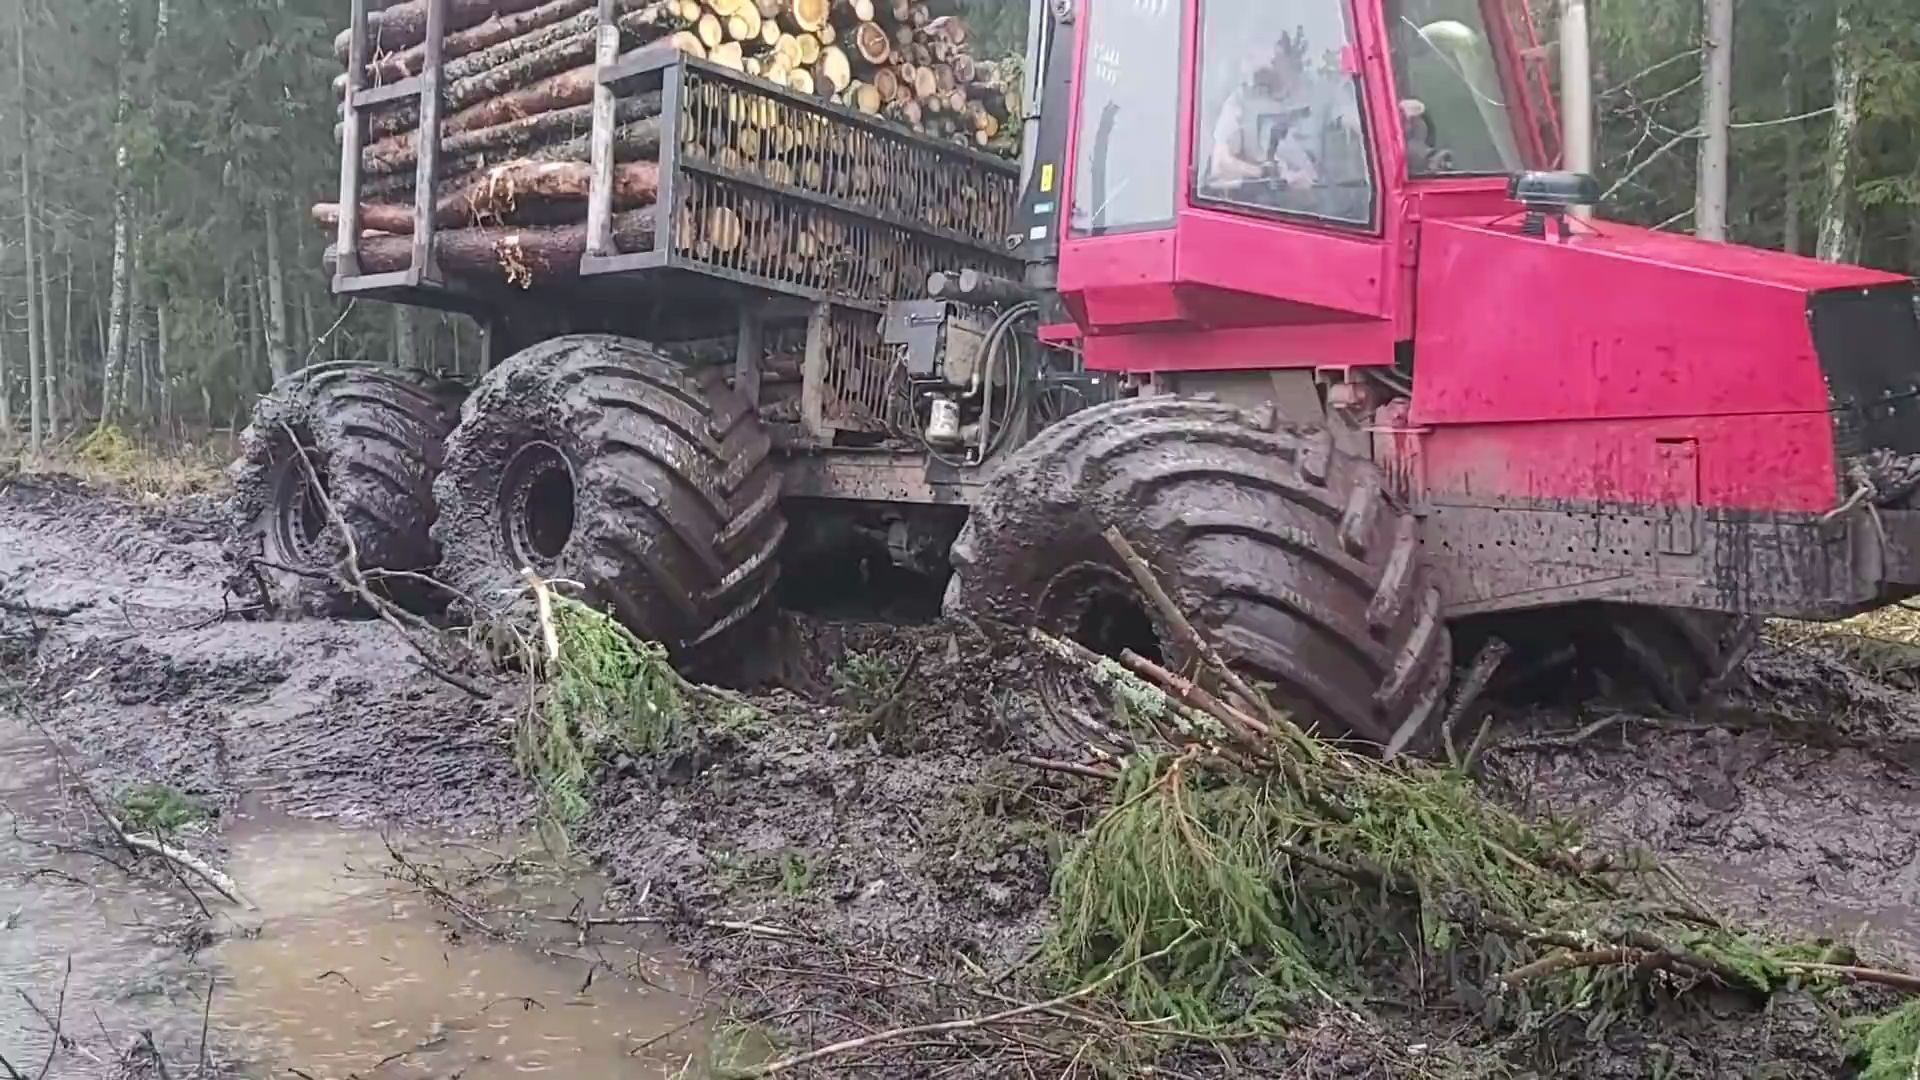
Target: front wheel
600, 460
1288, 554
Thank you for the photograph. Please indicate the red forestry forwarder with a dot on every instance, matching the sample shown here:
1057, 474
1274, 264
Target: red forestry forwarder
1286, 291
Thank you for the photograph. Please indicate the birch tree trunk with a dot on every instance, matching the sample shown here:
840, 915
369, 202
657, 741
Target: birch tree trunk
113, 367
56, 399
36, 333
1839, 239
46, 394
161, 379
132, 336
1716, 122
278, 355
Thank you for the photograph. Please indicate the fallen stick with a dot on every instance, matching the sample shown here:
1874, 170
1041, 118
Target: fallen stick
543, 601
520, 256
500, 190
1074, 768
220, 882
1190, 637
348, 573
969, 1024
1898, 980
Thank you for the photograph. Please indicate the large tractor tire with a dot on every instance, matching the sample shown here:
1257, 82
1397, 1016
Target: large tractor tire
600, 460
1287, 553
373, 436
1666, 658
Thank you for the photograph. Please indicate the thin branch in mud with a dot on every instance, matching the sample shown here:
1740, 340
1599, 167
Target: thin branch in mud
1091, 772
1485, 663
349, 573
153, 1052
1567, 960
969, 1024
543, 603
1190, 637
1898, 980
59, 1017
206, 1020
12, 1073
136, 845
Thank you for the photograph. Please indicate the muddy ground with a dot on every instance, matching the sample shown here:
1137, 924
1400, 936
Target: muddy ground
855, 852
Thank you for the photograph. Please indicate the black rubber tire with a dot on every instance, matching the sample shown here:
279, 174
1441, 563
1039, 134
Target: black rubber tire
374, 435
674, 502
1676, 657
1288, 554
1632, 655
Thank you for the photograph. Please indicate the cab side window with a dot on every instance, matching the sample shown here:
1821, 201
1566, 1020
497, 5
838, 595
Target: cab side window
1280, 125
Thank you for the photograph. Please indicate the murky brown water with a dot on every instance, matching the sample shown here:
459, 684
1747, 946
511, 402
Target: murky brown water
342, 971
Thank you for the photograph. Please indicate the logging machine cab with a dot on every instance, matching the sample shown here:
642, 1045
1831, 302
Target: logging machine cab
1259, 166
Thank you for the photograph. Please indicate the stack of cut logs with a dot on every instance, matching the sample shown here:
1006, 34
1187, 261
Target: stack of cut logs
517, 79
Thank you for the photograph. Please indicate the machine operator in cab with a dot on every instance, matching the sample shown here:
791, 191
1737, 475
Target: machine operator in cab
1287, 138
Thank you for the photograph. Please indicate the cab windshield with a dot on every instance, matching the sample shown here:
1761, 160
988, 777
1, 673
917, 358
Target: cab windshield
1453, 109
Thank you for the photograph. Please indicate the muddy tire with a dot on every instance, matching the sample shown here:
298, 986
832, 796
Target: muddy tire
1290, 555
374, 435
1634, 656
1677, 658
598, 459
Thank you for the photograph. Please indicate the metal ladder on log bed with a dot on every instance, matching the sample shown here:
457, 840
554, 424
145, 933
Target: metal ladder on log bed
422, 272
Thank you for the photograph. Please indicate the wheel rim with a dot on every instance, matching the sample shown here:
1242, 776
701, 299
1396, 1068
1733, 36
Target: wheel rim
299, 511
1099, 607
537, 506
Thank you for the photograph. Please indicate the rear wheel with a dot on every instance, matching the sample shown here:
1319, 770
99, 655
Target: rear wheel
600, 460
372, 437
1287, 553
1666, 658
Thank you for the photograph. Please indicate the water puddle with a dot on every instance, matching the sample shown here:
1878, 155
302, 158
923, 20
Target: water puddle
355, 973
346, 969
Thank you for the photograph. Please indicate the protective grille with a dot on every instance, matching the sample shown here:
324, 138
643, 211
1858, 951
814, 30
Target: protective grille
733, 226
789, 142
858, 385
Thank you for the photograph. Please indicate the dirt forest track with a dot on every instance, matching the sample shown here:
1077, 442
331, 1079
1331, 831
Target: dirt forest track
839, 857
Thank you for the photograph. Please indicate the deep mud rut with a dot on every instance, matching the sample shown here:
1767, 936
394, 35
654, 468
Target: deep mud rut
832, 862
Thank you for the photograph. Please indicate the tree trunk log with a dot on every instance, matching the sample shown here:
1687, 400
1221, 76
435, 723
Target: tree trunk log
405, 25
558, 106
518, 256
637, 138
395, 66
506, 189
513, 66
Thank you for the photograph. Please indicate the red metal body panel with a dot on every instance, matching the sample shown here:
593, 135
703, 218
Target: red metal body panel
1768, 461
1610, 346
1620, 366
1311, 283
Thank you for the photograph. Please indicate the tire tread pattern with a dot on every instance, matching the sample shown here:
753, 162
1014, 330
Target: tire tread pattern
677, 520
377, 435
1289, 554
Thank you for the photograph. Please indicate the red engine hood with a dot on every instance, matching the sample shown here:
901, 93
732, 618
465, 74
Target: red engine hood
1616, 322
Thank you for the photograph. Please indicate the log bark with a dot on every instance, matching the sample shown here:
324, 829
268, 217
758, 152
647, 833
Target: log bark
514, 66
405, 25
395, 66
398, 153
517, 256
637, 138
503, 190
